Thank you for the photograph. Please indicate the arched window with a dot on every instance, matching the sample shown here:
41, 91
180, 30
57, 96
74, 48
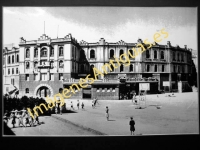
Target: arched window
131, 68
35, 64
121, 68
82, 69
155, 68
155, 54
8, 59
27, 65
43, 52
51, 52
178, 69
111, 66
148, 68
183, 69
27, 90
16, 70
61, 51
162, 55
147, 54
174, 56
13, 59
61, 64
92, 54
182, 57
111, 53
130, 51
121, 52
27, 53
17, 58
35, 52
174, 68
178, 57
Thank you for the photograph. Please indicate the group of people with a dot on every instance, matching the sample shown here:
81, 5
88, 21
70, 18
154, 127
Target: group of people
22, 116
78, 104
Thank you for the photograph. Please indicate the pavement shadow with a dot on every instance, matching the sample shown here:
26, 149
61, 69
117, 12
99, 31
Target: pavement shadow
7, 130
111, 120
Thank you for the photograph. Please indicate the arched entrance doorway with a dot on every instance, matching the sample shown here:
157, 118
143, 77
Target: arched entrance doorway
43, 92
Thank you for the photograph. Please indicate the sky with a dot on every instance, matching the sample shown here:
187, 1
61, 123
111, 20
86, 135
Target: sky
92, 23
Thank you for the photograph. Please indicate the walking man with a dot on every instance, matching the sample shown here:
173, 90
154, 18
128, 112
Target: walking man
60, 109
107, 113
82, 105
132, 125
78, 104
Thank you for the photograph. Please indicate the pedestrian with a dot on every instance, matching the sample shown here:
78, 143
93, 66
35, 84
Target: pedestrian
27, 119
72, 105
132, 125
134, 96
92, 104
56, 109
60, 109
36, 119
107, 113
13, 117
20, 118
78, 104
82, 105
5, 117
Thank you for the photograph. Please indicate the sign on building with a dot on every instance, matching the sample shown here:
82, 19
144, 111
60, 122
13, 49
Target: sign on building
144, 86
165, 83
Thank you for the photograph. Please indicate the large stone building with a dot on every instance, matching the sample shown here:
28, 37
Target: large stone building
46, 66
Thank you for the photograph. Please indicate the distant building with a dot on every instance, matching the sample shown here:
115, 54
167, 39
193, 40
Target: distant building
46, 66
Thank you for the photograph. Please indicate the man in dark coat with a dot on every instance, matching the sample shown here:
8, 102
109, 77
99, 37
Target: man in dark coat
132, 125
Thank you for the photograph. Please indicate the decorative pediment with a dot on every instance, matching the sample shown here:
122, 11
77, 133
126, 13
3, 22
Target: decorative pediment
43, 37
83, 42
121, 42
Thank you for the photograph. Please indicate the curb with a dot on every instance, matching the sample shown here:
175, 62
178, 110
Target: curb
78, 125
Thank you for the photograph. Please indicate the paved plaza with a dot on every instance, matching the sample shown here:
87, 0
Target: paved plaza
177, 115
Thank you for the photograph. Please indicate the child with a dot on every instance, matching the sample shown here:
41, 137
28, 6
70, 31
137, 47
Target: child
107, 114
82, 105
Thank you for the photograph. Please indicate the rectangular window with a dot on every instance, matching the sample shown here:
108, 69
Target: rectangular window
60, 76
163, 68
16, 70
27, 77
51, 76
8, 71
44, 76
155, 69
12, 70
